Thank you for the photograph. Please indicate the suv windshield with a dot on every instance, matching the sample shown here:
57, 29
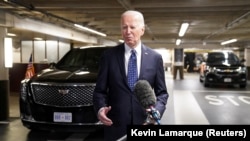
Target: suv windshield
84, 59
222, 57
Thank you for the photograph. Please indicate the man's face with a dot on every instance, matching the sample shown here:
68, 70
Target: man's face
131, 30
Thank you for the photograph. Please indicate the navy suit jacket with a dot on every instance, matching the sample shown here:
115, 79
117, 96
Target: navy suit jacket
112, 88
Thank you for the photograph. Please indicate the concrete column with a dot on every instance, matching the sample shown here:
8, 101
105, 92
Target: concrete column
247, 58
4, 75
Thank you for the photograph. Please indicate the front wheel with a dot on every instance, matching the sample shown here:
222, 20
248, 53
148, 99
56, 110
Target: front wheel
201, 79
205, 82
243, 86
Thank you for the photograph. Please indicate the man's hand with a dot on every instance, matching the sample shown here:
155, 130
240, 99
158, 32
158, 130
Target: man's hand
102, 116
153, 117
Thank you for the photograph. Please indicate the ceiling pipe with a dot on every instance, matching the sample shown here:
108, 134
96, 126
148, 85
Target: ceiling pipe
31, 8
126, 4
238, 20
229, 25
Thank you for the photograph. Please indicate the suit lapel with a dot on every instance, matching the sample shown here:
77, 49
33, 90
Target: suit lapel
120, 58
144, 54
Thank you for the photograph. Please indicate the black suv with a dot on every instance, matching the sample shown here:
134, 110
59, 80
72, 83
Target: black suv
223, 68
60, 97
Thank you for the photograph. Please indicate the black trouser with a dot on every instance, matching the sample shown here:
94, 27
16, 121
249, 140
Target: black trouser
180, 68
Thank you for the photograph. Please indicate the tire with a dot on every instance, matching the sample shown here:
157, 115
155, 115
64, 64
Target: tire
205, 83
201, 80
243, 86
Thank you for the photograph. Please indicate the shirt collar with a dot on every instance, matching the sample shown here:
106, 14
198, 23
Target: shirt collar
137, 48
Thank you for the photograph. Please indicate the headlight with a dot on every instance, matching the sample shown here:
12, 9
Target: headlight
23, 90
210, 69
242, 69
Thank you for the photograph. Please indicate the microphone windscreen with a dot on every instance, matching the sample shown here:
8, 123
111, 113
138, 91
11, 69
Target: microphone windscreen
144, 93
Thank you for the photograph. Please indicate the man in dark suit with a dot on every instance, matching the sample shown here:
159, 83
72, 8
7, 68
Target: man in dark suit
114, 101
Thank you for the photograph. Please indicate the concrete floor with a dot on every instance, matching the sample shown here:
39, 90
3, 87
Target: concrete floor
189, 103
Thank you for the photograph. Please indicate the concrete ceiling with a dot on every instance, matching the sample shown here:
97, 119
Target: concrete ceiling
211, 21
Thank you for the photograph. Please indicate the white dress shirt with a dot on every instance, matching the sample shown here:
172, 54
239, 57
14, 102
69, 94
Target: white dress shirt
138, 57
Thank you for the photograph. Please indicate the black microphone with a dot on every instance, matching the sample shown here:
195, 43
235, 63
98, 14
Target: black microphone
146, 97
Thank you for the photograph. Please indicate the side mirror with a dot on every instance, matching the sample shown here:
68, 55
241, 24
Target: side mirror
52, 65
242, 60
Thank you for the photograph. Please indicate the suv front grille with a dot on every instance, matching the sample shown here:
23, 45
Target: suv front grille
228, 71
63, 95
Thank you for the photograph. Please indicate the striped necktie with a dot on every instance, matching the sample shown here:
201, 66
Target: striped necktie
132, 70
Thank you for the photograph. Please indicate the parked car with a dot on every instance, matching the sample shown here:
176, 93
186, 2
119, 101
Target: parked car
60, 97
223, 68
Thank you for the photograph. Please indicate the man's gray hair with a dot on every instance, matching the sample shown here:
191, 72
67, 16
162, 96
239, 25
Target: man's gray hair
137, 14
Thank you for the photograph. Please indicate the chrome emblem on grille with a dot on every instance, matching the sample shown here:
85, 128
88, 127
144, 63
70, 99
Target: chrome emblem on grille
63, 92
228, 70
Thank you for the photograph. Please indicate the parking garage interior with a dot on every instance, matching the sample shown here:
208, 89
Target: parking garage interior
210, 23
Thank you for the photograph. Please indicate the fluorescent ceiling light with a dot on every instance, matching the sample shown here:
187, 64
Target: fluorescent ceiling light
90, 30
228, 41
11, 34
183, 29
121, 41
178, 42
37, 38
